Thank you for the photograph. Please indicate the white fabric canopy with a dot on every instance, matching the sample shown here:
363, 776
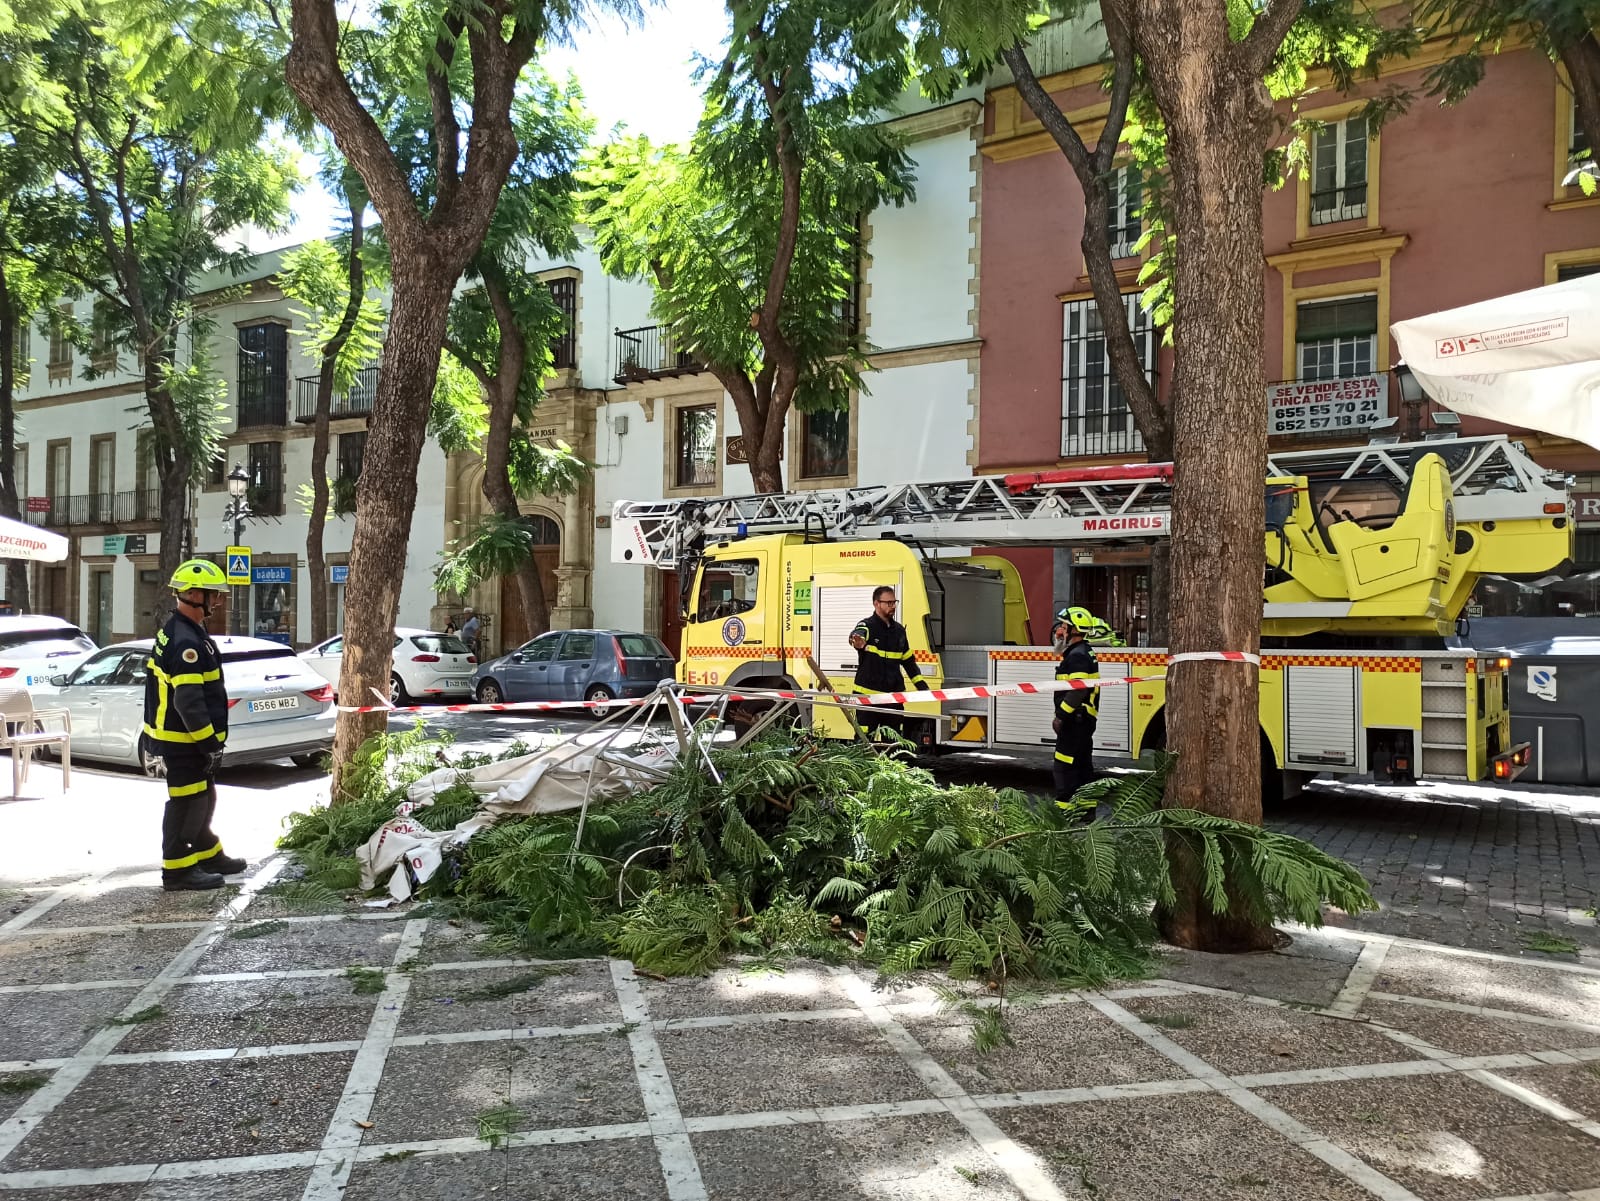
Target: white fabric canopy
1531, 359
19, 541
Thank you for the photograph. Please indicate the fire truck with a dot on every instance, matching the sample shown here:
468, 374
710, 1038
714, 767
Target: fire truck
1371, 554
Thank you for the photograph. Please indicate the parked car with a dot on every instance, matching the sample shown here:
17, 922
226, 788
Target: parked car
34, 648
572, 665
278, 708
427, 665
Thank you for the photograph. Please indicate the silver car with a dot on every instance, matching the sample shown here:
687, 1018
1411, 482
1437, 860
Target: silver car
34, 648
278, 708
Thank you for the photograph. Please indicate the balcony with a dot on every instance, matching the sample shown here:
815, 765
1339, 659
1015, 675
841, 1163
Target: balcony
354, 401
651, 352
99, 508
269, 411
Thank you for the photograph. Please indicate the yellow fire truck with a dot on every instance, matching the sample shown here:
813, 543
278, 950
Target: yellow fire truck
1370, 556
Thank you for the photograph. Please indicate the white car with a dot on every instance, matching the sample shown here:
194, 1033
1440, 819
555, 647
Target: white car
428, 665
34, 648
277, 707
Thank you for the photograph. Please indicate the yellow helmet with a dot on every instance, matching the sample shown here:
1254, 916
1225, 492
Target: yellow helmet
198, 573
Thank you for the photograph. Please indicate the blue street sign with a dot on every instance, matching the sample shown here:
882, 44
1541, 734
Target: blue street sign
339, 573
272, 575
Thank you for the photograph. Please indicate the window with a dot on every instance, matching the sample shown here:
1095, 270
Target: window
265, 493
696, 446
102, 452
1339, 171
60, 344
1337, 339
103, 342
564, 350
541, 650
727, 588
147, 493
217, 470
103, 668
577, 647
1578, 148
825, 445
1124, 208
849, 309
641, 646
440, 644
20, 361
263, 375
352, 449
57, 480
1094, 412
1576, 271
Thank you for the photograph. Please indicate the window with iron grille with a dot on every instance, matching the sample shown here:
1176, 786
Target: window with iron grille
352, 449
696, 446
1576, 271
849, 309
1095, 418
1337, 339
19, 352
564, 350
103, 347
1124, 211
1339, 171
263, 375
265, 492
60, 345
825, 444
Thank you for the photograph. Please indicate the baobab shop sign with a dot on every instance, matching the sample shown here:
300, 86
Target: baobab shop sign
1327, 406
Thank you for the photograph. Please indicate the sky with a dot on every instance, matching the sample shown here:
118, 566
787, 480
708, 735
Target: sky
640, 76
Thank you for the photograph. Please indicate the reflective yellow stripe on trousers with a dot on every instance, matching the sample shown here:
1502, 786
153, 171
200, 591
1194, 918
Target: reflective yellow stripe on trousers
173, 865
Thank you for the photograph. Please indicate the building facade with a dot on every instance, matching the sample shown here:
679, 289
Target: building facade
1438, 208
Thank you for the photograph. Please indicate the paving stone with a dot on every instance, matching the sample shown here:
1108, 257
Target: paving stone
255, 1013
567, 994
793, 989
1446, 1137
1313, 975
794, 1065
1239, 1038
612, 1170
93, 1192
119, 901
1469, 1034
1575, 1086
1178, 1148
1056, 1046
17, 1087
306, 945
444, 943
163, 1112
1522, 987
889, 1159
45, 1025
439, 1091
247, 1186
16, 901
40, 957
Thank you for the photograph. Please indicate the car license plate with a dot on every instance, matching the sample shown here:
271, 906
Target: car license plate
279, 702
458, 682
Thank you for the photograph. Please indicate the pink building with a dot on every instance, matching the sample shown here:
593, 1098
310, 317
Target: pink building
1441, 207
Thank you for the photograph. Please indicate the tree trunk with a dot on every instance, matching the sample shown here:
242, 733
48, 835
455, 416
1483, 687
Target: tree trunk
1217, 115
10, 506
316, 563
387, 495
502, 497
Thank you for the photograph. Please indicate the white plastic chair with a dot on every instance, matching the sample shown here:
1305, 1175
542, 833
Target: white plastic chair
23, 730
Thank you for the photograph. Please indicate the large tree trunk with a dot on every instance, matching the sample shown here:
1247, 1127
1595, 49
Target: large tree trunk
1217, 116
316, 562
174, 466
1582, 61
387, 496
502, 498
16, 569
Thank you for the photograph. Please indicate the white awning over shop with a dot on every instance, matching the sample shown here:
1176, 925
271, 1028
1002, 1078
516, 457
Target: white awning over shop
1529, 360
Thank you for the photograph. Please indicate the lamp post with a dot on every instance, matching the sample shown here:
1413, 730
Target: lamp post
1412, 397
236, 512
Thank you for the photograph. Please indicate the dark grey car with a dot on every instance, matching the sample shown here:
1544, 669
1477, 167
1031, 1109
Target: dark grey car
576, 665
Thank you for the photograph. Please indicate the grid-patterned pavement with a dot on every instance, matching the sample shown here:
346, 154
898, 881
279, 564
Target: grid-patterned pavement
153, 1047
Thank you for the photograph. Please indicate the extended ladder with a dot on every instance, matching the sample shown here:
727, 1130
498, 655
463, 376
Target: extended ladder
1492, 479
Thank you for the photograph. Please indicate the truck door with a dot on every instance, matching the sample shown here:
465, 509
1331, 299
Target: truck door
729, 618
840, 604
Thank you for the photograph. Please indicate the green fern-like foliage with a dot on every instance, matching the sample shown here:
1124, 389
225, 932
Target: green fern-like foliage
830, 849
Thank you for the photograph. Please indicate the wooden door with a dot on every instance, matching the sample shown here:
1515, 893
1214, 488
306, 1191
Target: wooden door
671, 615
513, 625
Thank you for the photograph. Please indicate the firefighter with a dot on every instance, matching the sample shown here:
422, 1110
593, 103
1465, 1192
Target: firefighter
1076, 709
186, 725
884, 650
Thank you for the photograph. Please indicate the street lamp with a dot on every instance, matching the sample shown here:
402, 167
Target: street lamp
1412, 397
236, 512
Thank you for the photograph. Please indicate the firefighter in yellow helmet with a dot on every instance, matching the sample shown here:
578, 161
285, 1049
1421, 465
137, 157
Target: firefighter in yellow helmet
1076, 709
186, 725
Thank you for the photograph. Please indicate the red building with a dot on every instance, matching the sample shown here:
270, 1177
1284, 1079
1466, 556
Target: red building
1438, 208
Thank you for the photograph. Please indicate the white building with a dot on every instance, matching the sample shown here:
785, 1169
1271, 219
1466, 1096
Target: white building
653, 423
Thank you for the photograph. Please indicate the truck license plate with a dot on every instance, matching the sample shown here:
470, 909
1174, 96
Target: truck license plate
280, 702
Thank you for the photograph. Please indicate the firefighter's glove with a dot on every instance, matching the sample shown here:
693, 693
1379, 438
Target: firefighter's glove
213, 762
922, 685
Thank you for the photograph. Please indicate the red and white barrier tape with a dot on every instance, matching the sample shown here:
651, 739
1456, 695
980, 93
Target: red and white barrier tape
982, 692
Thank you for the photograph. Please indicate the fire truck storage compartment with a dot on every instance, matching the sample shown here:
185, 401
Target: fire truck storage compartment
1025, 721
1113, 730
966, 604
839, 608
1322, 713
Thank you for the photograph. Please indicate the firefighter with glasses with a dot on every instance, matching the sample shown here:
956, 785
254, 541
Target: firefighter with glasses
1076, 709
884, 652
186, 726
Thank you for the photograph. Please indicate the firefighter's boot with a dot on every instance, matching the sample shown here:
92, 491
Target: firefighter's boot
190, 879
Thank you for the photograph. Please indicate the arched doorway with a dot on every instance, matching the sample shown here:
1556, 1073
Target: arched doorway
546, 556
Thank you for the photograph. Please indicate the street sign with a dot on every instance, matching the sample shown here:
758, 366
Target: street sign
272, 575
238, 566
113, 544
339, 573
